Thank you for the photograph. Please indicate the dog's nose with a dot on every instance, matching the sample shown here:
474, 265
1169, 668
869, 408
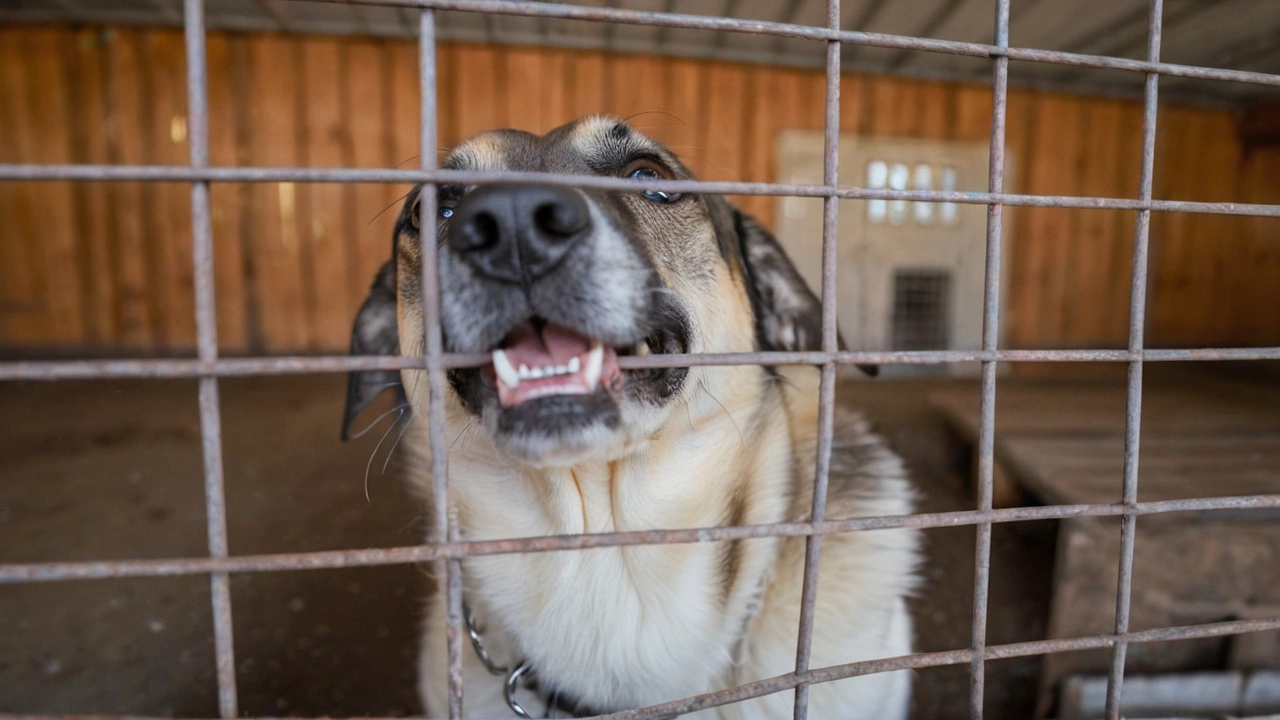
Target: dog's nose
518, 233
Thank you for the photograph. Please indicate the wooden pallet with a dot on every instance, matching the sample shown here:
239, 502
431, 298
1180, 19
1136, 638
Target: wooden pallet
1201, 436
1063, 443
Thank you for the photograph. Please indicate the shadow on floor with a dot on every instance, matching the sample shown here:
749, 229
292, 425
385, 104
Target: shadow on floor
112, 470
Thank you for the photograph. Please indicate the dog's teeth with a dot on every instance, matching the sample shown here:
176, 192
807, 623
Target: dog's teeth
536, 373
506, 373
595, 361
524, 372
642, 348
574, 364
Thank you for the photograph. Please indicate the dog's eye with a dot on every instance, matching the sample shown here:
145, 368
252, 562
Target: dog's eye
661, 196
444, 212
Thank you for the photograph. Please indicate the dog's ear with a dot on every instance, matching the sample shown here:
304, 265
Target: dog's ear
374, 333
788, 313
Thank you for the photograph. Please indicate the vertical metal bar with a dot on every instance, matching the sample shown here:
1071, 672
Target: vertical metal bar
827, 388
207, 348
1137, 325
990, 342
443, 530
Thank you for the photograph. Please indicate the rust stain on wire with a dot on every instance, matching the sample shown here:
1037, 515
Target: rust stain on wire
1137, 328
935, 659
185, 173
990, 343
830, 344
832, 673
442, 530
808, 32
207, 349
228, 367
163, 567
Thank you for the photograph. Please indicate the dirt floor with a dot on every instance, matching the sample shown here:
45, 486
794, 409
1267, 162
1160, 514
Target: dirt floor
112, 470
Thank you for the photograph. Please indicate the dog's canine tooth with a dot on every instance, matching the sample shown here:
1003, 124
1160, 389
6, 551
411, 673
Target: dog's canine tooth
595, 361
642, 348
506, 373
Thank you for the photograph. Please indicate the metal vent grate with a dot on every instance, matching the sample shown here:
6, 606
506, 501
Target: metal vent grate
921, 309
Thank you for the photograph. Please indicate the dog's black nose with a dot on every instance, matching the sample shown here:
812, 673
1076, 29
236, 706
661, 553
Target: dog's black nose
518, 233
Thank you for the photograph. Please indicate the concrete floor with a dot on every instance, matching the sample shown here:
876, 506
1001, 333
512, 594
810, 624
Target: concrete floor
112, 470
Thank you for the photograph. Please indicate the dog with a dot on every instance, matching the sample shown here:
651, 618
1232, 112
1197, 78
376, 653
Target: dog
553, 438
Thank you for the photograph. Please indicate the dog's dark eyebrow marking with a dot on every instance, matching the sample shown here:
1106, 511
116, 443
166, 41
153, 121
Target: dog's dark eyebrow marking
619, 130
652, 157
451, 193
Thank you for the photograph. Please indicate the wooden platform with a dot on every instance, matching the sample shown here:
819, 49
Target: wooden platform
1063, 442
1202, 436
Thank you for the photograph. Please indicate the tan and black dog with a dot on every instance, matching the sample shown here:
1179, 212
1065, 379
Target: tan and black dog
553, 438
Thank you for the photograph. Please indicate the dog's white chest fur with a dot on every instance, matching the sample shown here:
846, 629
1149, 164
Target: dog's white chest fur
620, 627
623, 627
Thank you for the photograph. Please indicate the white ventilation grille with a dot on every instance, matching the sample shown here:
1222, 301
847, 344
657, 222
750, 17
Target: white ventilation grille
921, 310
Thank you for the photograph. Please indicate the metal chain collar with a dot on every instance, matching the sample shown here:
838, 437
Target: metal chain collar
513, 675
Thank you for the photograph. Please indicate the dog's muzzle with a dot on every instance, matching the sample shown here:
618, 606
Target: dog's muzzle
551, 283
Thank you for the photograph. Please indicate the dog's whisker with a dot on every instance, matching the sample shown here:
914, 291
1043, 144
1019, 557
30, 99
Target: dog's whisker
673, 116
394, 445
375, 421
395, 202
369, 465
702, 386
461, 434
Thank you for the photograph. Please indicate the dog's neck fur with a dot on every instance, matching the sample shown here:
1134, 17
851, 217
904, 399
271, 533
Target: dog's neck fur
581, 617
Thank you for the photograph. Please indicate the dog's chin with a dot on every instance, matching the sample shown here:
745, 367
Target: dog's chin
557, 430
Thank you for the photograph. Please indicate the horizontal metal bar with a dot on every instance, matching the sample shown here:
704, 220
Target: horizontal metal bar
832, 673
184, 173
233, 367
164, 567
809, 32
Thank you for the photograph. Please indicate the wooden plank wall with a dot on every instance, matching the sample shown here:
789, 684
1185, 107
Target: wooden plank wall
109, 266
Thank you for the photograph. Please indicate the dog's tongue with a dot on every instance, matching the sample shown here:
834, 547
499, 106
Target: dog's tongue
553, 345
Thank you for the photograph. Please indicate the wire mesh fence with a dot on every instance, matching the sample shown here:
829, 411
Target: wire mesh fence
447, 549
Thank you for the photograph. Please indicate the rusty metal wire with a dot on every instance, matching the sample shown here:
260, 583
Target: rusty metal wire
183, 173
165, 567
232, 367
207, 349
447, 549
808, 32
1133, 403
830, 343
990, 341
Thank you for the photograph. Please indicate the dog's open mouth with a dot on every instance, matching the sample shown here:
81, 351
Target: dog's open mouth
540, 359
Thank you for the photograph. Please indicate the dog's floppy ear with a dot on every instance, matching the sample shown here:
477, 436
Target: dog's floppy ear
374, 333
788, 314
